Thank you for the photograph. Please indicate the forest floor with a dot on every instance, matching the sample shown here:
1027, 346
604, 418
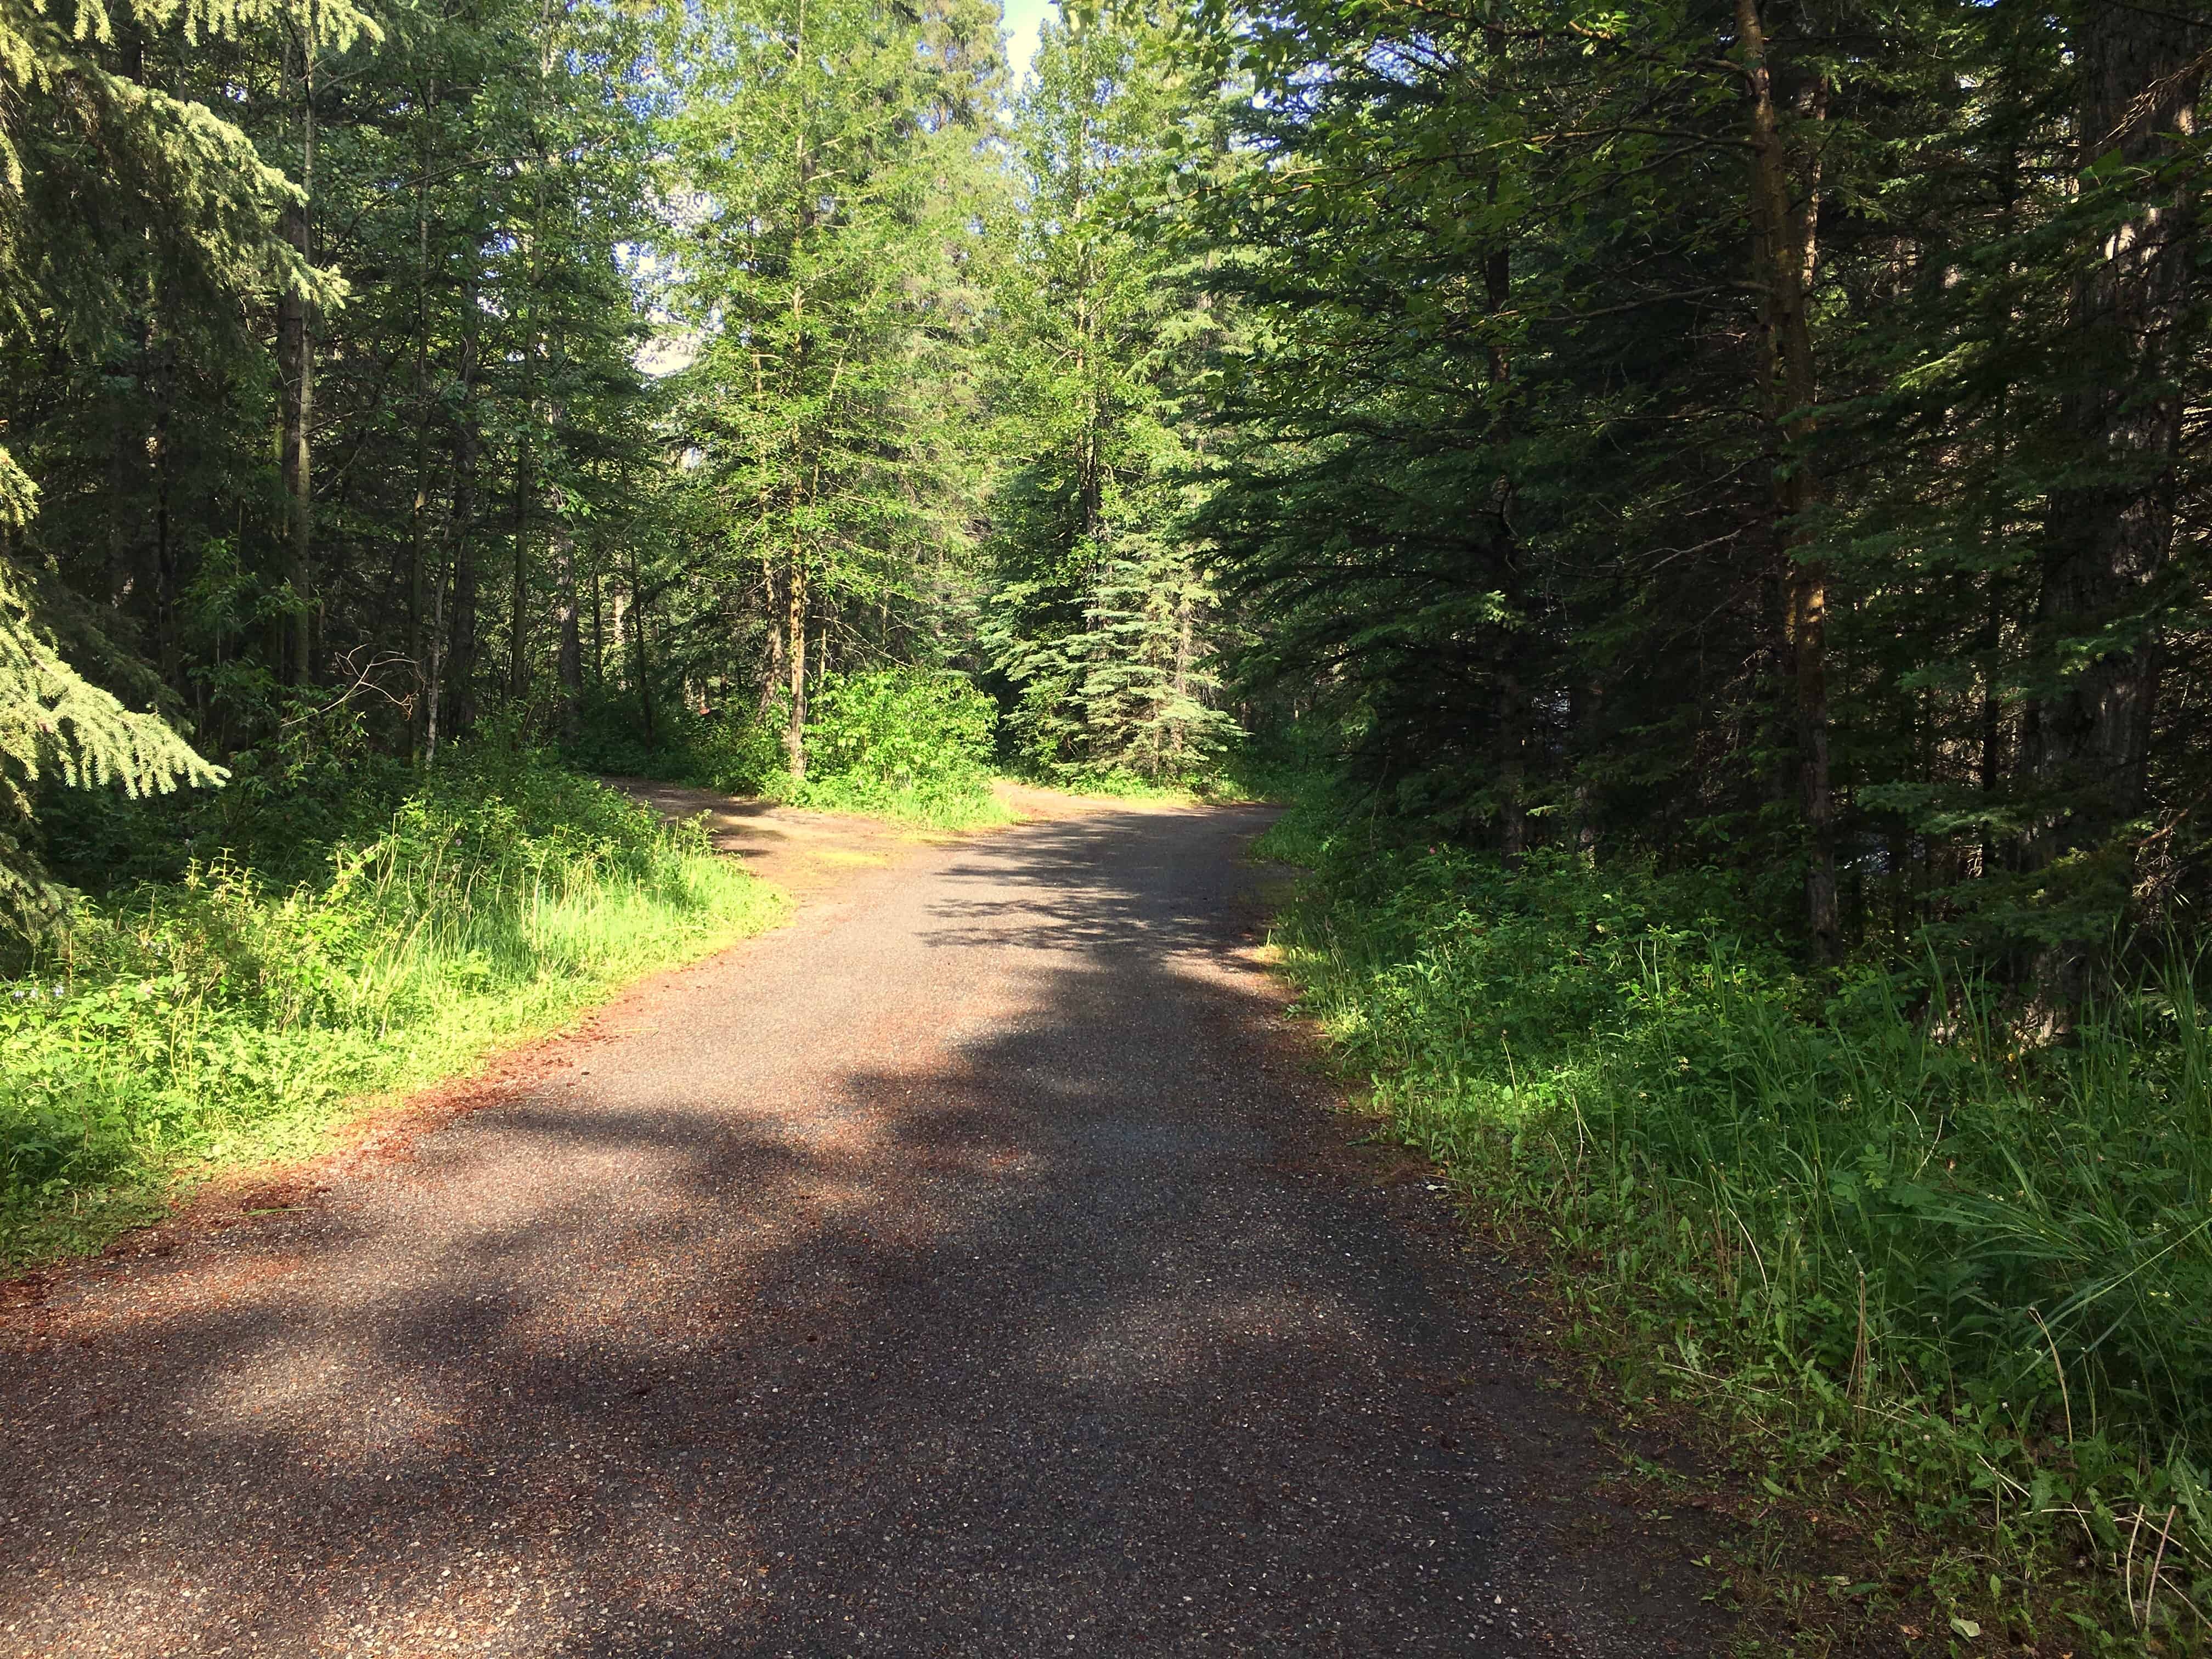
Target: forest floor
976, 1266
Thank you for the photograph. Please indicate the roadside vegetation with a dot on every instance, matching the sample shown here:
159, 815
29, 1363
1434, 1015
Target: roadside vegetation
913, 746
1701, 500
235, 1011
1851, 1213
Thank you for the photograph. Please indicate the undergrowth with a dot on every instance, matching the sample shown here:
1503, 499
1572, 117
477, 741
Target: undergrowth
908, 744
230, 1017
968, 807
1116, 783
1972, 1277
1224, 777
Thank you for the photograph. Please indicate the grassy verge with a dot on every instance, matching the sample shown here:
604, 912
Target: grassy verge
185, 1027
1110, 784
1961, 1291
1224, 786
957, 804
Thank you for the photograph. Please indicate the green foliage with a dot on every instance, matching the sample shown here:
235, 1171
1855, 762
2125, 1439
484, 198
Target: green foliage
1101, 627
905, 743
909, 744
286, 804
440, 264
57, 725
726, 751
170, 163
1504, 470
1124, 691
229, 1017
1966, 1271
900, 729
833, 152
100, 161
738, 757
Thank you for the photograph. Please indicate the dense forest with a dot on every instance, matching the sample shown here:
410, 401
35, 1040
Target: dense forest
1700, 505
1771, 453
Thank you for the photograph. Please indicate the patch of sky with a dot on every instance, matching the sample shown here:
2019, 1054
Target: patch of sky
1023, 17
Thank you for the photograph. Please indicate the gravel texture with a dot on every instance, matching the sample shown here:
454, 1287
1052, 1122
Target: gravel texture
975, 1267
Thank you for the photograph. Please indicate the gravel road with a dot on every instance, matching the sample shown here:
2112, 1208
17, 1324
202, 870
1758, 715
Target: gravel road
975, 1267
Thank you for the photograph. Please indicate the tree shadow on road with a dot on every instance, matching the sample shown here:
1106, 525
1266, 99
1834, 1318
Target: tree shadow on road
1075, 1330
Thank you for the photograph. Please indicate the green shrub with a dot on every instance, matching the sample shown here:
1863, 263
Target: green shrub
740, 757
909, 743
727, 750
285, 806
229, 1015
1980, 1275
900, 729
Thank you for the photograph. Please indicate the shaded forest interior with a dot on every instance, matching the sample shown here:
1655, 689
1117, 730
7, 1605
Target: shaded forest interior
1698, 503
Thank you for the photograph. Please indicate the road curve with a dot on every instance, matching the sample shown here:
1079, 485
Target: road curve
973, 1268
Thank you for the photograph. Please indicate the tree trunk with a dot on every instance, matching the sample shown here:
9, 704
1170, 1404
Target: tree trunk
637, 649
517, 658
434, 674
1185, 644
518, 631
1990, 756
1783, 240
794, 648
1585, 702
123, 440
295, 364
772, 674
468, 449
617, 619
418, 653
1512, 716
794, 623
168, 646
569, 654
1509, 742
1496, 289
599, 630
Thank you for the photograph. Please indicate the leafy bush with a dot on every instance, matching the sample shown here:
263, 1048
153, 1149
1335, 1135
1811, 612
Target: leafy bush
727, 750
1979, 1274
229, 1015
740, 757
901, 729
908, 741
285, 806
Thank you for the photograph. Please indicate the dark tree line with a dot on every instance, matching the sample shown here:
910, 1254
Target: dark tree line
1724, 430
347, 441
378, 377
1751, 432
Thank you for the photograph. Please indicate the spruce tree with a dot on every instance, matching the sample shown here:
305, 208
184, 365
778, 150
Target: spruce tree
1102, 627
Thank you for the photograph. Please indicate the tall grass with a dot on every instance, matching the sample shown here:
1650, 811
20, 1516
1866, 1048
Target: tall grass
222, 1019
966, 803
1977, 1276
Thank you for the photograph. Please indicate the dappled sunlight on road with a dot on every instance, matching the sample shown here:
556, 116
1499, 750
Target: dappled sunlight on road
924, 1278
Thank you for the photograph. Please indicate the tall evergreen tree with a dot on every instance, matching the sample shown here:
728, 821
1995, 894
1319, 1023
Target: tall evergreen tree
829, 153
1101, 625
127, 212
